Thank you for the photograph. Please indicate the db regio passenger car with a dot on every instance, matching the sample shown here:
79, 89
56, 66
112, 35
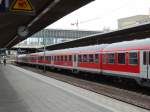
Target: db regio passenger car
129, 59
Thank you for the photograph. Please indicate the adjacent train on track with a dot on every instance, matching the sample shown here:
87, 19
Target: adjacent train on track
129, 59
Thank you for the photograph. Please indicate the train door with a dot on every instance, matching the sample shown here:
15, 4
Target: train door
75, 60
146, 64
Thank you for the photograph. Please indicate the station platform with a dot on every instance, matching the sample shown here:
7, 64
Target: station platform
25, 91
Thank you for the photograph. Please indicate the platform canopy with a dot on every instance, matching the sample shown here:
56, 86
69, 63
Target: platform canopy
137, 32
46, 12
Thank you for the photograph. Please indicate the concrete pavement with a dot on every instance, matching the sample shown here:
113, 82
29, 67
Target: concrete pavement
25, 91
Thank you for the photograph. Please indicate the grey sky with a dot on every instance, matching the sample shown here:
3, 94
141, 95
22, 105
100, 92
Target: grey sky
102, 13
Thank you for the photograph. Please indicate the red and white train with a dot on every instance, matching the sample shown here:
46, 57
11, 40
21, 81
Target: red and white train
129, 59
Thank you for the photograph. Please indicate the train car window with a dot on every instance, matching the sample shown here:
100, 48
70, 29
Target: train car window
87, 58
121, 58
46, 58
96, 58
79, 58
36, 57
104, 58
84, 58
70, 58
65, 58
55, 58
49, 58
144, 58
58, 59
149, 57
75, 58
91, 58
52, 58
133, 58
61, 58
111, 58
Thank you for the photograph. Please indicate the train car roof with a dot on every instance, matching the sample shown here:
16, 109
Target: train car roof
129, 45
90, 48
74, 50
120, 46
22, 55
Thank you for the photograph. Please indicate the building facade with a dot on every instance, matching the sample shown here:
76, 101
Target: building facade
54, 36
133, 21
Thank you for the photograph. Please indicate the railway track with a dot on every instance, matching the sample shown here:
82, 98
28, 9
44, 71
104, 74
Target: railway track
137, 96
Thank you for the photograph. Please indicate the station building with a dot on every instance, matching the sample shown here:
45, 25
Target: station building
54, 36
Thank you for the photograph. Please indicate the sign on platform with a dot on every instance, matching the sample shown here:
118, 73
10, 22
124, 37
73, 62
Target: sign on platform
21, 6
